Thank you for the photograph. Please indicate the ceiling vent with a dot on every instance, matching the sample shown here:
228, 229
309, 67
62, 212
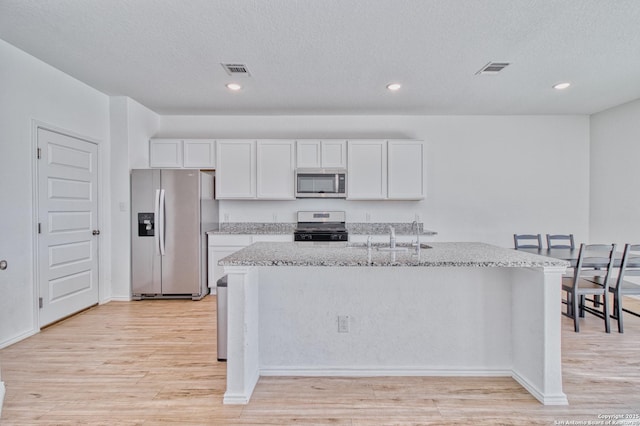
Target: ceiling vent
236, 70
493, 68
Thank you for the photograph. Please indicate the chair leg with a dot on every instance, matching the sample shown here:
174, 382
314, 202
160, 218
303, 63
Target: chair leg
582, 302
575, 310
617, 300
605, 303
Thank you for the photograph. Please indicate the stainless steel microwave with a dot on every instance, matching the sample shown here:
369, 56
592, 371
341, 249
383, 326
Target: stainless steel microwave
321, 183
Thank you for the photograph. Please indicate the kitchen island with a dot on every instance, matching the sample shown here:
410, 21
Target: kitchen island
454, 309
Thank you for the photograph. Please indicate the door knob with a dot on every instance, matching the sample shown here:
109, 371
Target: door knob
3, 265
96, 232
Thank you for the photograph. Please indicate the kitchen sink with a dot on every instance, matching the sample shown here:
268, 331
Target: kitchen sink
385, 246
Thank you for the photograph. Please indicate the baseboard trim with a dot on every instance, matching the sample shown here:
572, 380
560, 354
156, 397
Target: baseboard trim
18, 338
2, 391
381, 372
557, 399
117, 299
233, 398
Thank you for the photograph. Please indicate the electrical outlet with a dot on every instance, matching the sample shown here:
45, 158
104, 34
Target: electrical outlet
275, 217
343, 323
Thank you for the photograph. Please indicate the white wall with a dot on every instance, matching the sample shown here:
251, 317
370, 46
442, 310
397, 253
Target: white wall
615, 153
487, 176
131, 127
32, 90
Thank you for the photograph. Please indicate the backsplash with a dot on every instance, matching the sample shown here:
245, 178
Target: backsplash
356, 228
256, 228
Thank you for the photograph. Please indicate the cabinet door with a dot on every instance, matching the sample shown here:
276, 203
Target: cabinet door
334, 153
405, 170
236, 169
200, 153
272, 238
308, 153
165, 153
367, 170
275, 169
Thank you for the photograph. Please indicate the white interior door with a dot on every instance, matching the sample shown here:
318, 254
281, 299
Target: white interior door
67, 222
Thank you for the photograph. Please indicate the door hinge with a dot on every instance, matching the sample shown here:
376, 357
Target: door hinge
39, 228
39, 153
40, 302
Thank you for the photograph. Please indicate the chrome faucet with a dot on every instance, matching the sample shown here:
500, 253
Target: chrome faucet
392, 237
417, 230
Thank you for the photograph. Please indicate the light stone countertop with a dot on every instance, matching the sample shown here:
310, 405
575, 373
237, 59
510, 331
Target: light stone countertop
345, 254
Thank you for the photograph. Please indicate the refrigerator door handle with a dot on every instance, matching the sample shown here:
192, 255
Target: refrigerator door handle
162, 251
156, 217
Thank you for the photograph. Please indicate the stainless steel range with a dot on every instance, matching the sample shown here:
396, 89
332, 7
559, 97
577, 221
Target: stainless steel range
321, 226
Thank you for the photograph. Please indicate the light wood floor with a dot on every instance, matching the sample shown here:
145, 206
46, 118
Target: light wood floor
154, 363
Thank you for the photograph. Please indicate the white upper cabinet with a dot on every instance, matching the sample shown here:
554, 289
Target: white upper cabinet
334, 153
199, 153
405, 170
275, 169
367, 170
326, 153
265, 169
165, 153
308, 153
236, 169
182, 153
386, 170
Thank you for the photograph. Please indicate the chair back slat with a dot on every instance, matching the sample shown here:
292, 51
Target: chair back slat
561, 241
630, 263
595, 260
529, 241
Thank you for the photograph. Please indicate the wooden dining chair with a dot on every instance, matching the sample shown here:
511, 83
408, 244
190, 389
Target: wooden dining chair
529, 241
591, 278
629, 266
561, 241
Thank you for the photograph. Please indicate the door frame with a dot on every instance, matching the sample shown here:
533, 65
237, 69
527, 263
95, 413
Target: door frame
35, 126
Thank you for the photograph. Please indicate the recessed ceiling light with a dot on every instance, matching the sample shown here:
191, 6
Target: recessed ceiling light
561, 86
394, 86
234, 86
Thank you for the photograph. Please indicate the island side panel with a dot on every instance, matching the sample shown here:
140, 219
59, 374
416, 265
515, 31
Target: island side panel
402, 321
242, 336
537, 356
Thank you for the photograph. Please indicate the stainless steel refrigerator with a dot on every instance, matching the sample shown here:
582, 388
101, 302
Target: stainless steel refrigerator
171, 211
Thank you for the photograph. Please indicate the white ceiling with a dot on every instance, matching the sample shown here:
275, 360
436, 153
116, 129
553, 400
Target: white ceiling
336, 56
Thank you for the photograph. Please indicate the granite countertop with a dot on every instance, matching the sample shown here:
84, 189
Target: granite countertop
345, 254
355, 228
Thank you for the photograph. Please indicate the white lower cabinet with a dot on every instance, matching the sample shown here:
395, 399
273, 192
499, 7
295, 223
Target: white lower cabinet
223, 245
